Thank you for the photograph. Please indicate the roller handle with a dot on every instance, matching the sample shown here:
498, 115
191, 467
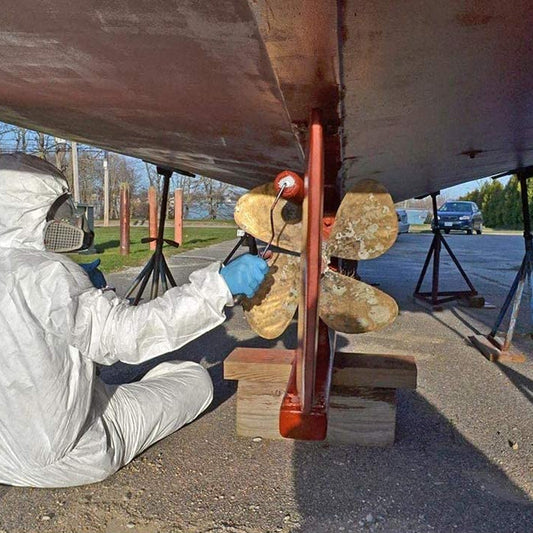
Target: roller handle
294, 186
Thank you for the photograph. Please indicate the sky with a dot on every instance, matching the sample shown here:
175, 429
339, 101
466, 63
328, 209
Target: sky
459, 190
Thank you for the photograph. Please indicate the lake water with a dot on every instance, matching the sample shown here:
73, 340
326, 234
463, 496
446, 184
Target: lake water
417, 216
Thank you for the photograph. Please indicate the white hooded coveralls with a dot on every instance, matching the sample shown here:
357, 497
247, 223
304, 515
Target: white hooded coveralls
59, 424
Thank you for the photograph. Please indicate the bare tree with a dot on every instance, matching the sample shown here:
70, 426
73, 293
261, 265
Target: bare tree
21, 137
201, 196
213, 196
43, 145
18, 139
188, 185
121, 170
154, 179
5, 134
60, 148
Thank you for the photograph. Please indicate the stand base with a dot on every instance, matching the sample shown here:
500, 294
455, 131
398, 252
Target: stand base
471, 299
475, 301
491, 349
465, 299
362, 406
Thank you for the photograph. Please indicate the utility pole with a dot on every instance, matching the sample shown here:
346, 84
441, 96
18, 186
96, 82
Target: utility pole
60, 152
152, 216
75, 175
178, 216
106, 190
124, 219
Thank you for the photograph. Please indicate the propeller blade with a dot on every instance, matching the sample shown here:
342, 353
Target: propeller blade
252, 214
271, 309
351, 306
366, 224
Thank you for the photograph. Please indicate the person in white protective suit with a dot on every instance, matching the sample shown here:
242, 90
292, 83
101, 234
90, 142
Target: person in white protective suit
60, 425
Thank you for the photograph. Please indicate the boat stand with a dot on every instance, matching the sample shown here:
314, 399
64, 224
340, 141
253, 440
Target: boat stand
245, 240
493, 346
435, 297
157, 267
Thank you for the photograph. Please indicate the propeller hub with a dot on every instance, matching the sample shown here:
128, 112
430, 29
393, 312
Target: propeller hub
291, 185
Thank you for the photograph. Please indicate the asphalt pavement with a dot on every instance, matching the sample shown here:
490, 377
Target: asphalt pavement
462, 460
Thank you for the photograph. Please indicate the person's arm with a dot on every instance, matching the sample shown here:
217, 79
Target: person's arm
107, 329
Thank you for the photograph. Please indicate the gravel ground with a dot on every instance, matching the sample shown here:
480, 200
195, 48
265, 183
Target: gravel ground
462, 460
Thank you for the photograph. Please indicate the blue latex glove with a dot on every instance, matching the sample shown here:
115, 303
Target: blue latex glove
244, 274
95, 274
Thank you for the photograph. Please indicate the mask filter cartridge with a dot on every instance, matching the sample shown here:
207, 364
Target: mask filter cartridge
62, 237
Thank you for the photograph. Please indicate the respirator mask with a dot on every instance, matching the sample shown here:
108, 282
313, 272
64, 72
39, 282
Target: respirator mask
67, 229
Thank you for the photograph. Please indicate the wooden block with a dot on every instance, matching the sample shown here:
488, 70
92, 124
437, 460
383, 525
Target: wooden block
259, 364
379, 370
362, 416
476, 301
362, 401
258, 406
493, 352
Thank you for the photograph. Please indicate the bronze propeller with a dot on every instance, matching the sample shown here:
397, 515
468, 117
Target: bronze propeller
365, 227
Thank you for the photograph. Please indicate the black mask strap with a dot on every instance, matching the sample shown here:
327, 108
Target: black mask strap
56, 205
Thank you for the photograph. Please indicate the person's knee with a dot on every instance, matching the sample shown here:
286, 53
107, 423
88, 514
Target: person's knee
169, 396
192, 376
204, 384
199, 387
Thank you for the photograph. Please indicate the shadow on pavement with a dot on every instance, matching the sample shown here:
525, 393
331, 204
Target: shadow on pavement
210, 349
521, 382
432, 479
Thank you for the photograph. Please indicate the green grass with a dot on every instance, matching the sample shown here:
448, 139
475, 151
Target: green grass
209, 222
420, 228
170, 222
107, 244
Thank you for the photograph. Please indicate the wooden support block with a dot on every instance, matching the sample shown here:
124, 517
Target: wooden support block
362, 407
362, 404
259, 364
374, 370
258, 406
263, 375
476, 301
493, 352
362, 416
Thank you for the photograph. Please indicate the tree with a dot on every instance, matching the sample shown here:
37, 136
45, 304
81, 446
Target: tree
512, 205
473, 196
492, 203
201, 196
90, 165
213, 195
121, 170
188, 185
501, 206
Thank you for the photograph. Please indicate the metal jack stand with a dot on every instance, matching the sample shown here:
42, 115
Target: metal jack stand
250, 242
157, 266
434, 297
496, 348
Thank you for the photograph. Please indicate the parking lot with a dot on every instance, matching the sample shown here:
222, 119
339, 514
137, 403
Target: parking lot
462, 461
